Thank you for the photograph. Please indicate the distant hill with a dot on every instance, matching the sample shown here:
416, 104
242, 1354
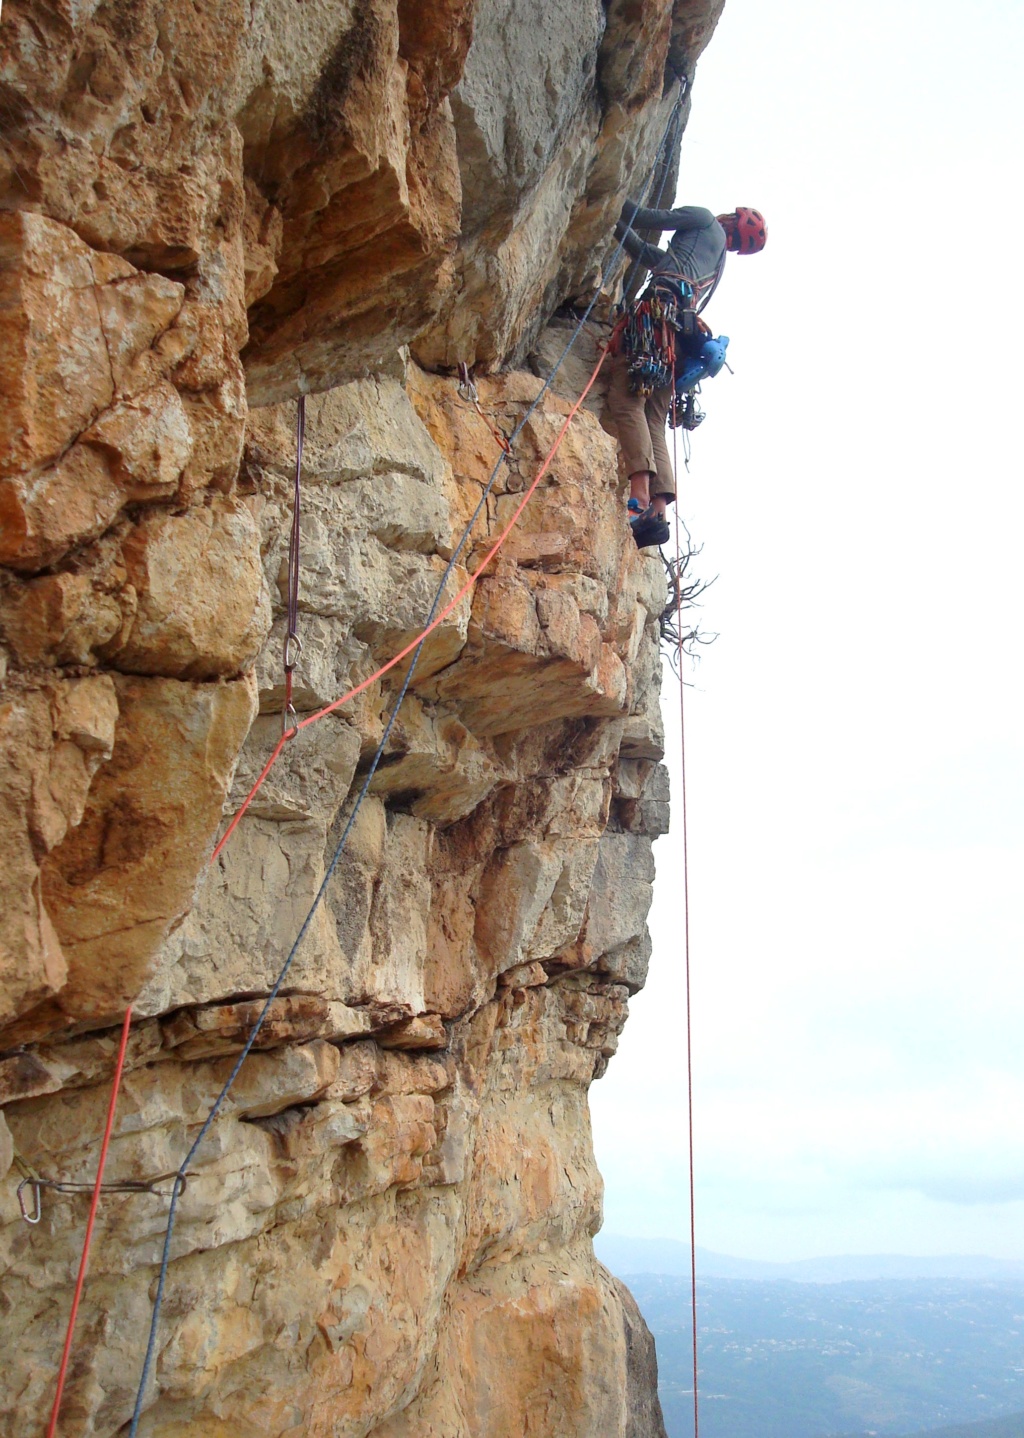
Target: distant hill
625, 1256
1012, 1427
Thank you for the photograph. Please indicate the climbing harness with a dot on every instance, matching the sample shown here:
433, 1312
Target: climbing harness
292, 642
665, 338
649, 337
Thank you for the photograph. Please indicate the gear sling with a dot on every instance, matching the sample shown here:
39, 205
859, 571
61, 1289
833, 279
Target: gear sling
666, 342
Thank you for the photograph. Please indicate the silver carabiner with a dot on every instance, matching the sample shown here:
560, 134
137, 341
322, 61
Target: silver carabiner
292, 650
37, 1200
467, 389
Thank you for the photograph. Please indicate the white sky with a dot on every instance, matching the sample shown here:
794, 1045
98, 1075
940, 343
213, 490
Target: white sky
855, 748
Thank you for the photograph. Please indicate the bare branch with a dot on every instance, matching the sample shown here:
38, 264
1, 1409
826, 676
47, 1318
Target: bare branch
684, 592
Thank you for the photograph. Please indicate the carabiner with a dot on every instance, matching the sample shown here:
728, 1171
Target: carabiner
292, 649
37, 1200
467, 389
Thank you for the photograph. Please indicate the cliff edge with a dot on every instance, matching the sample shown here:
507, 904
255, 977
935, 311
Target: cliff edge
207, 211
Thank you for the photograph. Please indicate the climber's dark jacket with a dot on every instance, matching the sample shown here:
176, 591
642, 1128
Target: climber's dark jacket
696, 250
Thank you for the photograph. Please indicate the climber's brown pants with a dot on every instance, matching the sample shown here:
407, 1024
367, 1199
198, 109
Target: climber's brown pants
640, 427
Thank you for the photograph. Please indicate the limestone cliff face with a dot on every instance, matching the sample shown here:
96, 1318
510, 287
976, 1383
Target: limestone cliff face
205, 211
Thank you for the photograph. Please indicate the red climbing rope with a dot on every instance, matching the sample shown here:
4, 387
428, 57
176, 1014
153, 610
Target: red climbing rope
90, 1224
289, 733
439, 618
686, 928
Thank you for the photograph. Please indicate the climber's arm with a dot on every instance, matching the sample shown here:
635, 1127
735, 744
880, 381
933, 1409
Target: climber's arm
648, 255
686, 217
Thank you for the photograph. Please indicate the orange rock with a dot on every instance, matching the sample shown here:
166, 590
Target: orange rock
53, 361
387, 1230
53, 741
119, 881
202, 605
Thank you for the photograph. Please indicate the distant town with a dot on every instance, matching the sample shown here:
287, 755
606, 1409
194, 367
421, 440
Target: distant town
854, 1358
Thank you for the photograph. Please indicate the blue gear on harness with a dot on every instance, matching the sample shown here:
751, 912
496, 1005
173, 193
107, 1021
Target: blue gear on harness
709, 362
705, 364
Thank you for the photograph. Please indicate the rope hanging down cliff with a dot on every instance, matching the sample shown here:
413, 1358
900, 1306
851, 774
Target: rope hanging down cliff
415, 648
686, 945
90, 1224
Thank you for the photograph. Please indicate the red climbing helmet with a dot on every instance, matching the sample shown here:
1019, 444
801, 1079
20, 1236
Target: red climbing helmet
745, 230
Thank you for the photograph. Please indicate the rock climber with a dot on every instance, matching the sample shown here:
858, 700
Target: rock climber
683, 278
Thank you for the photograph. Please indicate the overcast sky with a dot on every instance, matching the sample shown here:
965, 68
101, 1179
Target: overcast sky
855, 750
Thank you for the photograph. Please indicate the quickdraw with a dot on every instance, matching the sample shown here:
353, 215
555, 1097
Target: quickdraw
650, 341
687, 413
30, 1189
467, 391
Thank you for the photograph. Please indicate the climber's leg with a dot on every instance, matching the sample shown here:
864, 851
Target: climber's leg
640, 489
626, 411
663, 486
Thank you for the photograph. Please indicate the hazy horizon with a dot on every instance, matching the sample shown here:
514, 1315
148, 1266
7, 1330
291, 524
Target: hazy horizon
605, 1235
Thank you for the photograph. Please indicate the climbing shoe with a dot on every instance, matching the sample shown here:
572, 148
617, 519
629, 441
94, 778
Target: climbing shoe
650, 529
